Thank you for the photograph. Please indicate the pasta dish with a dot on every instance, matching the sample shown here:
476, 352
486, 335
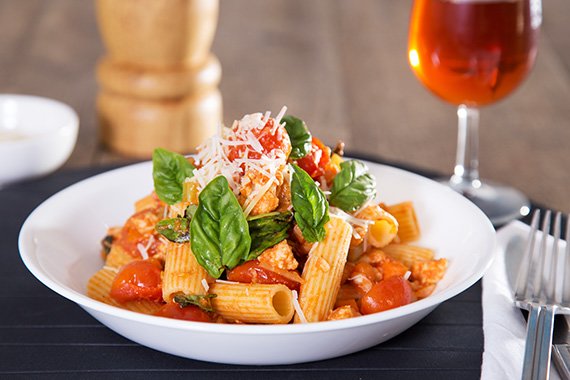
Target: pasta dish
264, 225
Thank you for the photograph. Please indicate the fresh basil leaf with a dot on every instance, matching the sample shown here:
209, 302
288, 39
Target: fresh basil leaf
266, 230
202, 301
352, 186
301, 139
219, 230
174, 229
169, 170
310, 205
190, 211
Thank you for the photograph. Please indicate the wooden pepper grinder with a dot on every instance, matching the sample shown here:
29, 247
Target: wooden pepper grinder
159, 80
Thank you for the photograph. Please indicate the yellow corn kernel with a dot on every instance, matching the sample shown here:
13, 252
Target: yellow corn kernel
190, 192
382, 232
336, 159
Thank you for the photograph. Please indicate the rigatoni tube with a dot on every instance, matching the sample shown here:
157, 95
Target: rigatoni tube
253, 303
323, 271
182, 273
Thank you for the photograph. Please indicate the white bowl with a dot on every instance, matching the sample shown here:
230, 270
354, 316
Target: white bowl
37, 136
59, 243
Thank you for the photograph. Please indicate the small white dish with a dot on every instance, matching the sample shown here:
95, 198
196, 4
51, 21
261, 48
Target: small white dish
37, 136
60, 242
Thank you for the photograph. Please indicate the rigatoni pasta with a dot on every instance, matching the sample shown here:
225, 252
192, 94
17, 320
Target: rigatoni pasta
408, 254
182, 273
408, 226
253, 303
264, 225
323, 272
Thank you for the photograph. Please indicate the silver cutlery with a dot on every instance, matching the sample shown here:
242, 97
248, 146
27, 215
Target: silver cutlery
542, 289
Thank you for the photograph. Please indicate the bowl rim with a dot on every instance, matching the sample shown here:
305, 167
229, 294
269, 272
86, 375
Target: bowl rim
71, 125
27, 256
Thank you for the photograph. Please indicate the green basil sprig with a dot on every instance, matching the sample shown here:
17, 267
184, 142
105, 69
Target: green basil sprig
202, 301
301, 139
219, 232
352, 186
177, 229
310, 205
169, 170
266, 230
174, 229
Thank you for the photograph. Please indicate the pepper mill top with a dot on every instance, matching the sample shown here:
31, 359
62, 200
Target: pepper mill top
158, 33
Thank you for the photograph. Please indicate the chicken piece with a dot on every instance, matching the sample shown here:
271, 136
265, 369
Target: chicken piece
366, 270
343, 312
346, 302
374, 257
422, 291
361, 282
302, 246
428, 272
358, 235
254, 182
279, 256
348, 267
393, 268
284, 196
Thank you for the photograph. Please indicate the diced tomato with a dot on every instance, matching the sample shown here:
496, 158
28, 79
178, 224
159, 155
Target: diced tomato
316, 161
268, 140
252, 272
138, 280
187, 313
137, 230
387, 294
392, 268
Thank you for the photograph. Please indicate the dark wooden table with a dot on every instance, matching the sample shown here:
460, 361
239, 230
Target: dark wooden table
340, 65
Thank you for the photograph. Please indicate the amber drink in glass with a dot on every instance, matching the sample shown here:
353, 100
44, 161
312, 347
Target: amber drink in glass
472, 53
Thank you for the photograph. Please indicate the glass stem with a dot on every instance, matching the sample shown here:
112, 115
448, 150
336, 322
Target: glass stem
466, 171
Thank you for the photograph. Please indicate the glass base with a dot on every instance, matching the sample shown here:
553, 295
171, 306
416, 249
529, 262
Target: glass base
500, 203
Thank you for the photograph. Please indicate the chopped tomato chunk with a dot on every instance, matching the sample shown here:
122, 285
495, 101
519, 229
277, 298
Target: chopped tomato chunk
252, 272
387, 294
317, 160
269, 137
187, 313
138, 280
138, 229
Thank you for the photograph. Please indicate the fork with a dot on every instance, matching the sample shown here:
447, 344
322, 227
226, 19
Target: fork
542, 289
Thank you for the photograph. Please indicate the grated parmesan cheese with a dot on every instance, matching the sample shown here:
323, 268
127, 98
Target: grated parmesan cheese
297, 307
205, 285
143, 249
227, 282
112, 269
349, 218
255, 200
212, 157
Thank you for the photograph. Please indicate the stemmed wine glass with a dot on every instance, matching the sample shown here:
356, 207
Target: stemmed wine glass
472, 53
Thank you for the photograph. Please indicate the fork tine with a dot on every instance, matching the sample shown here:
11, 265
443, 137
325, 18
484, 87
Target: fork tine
522, 284
554, 291
540, 255
566, 262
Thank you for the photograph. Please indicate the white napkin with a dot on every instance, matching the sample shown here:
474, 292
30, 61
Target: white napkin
503, 324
